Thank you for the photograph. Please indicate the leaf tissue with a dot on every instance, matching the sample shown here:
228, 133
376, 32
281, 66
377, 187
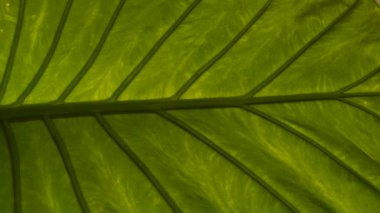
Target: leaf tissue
189, 106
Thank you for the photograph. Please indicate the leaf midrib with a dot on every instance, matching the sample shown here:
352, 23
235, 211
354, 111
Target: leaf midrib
30, 111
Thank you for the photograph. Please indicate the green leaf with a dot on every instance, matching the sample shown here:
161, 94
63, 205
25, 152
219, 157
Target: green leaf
189, 106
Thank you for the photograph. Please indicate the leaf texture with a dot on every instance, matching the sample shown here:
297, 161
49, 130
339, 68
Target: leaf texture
189, 106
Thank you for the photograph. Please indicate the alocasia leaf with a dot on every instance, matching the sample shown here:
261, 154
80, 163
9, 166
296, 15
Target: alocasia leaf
190, 106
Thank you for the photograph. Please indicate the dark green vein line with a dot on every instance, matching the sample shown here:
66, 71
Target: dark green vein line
127, 81
15, 161
138, 162
291, 60
359, 81
220, 54
310, 141
182, 125
58, 140
48, 56
94, 54
85, 108
360, 107
13, 50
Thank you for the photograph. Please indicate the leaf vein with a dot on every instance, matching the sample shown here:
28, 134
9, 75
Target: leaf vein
311, 142
137, 161
359, 81
48, 56
33, 111
134, 73
291, 60
13, 50
15, 163
221, 53
359, 107
182, 125
93, 56
64, 153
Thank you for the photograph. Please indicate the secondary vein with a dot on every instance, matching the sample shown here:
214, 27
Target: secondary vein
138, 162
13, 50
94, 55
300, 52
15, 163
182, 125
57, 138
360, 80
360, 107
48, 56
222, 52
312, 142
134, 73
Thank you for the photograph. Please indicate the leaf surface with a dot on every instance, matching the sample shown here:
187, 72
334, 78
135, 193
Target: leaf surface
190, 106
